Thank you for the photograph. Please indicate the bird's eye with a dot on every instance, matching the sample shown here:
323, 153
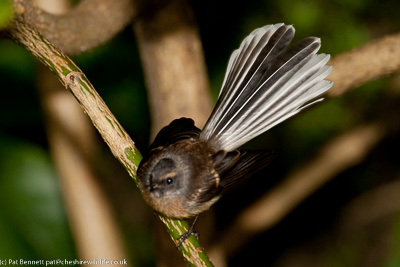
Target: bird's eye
170, 181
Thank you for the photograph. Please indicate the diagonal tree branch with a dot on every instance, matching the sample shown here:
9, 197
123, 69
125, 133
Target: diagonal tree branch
121, 145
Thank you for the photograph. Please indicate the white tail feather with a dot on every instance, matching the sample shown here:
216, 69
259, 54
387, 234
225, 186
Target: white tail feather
265, 85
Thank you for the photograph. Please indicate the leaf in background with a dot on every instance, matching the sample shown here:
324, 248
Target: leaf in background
33, 223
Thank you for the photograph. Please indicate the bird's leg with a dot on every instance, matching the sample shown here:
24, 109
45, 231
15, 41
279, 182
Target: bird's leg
190, 232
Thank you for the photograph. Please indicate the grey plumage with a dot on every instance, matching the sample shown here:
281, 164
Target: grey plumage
265, 84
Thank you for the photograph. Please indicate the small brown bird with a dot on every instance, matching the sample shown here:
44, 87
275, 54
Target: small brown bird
187, 169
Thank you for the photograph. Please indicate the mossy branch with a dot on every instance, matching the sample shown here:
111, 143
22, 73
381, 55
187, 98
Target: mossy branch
120, 143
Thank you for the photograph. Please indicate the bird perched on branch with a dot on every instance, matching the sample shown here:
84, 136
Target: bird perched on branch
187, 169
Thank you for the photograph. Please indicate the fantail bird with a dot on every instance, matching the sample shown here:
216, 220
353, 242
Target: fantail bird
187, 169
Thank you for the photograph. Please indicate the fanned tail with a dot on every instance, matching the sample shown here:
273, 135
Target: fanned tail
265, 84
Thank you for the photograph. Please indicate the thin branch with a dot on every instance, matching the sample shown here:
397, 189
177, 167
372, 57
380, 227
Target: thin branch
121, 145
365, 63
89, 24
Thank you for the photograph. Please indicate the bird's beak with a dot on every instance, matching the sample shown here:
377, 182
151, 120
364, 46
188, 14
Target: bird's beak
153, 187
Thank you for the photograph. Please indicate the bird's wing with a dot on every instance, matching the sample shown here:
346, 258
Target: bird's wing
178, 129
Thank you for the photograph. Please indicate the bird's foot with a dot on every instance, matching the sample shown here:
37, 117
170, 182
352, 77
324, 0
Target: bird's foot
190, 232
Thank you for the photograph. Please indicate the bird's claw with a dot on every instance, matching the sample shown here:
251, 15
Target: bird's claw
182, 238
